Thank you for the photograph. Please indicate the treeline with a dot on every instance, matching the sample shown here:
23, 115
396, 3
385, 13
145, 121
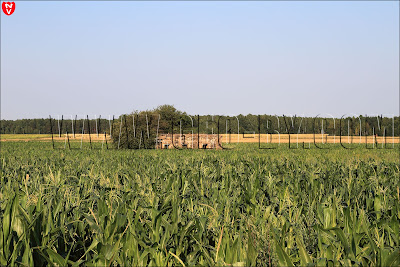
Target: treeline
43, 126
167, 119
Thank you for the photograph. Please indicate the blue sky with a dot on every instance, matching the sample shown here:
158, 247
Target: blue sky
269, 57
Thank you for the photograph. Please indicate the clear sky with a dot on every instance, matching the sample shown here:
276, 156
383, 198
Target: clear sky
265, 57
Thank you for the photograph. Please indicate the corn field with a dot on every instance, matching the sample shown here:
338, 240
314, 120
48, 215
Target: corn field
242, 207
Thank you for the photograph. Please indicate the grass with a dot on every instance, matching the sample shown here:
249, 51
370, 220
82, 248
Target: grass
24, 136
56, 138
228, 207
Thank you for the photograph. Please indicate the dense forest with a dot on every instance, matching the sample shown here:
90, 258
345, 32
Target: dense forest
167, 119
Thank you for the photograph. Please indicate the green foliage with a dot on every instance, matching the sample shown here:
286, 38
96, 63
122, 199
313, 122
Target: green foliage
140, 129
42, 126
386, 126
241, 207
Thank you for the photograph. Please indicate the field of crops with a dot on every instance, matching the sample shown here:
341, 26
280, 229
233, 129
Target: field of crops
241, 207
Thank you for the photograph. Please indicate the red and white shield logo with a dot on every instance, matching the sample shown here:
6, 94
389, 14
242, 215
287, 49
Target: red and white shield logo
8, 8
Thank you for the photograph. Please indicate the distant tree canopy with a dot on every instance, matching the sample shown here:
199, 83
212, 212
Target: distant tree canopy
140, 128
43, 126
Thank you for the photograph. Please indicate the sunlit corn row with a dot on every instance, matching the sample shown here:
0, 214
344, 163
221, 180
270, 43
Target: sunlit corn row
242, 207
